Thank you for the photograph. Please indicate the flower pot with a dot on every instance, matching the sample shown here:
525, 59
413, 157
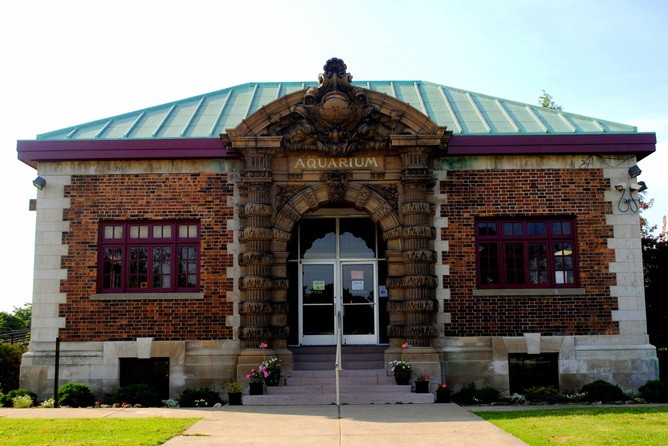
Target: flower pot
443, 396
273, 379
421, 386
402, 377
234, 398
256, 388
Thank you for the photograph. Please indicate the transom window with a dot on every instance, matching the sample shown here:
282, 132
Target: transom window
530, 253
149, 257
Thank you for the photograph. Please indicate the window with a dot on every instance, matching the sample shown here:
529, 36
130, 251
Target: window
153, 372
527, 371
149, 257
536, 253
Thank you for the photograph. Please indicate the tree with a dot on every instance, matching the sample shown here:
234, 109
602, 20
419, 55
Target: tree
18, 319
655, 268
545, 101
24, 313
11, 322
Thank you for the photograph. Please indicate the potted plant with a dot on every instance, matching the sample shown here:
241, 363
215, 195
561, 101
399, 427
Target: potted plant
256, 379
234, 393
442, 393
402, 371
422, 383
273, 368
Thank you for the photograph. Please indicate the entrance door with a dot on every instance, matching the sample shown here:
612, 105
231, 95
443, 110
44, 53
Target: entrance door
328, 288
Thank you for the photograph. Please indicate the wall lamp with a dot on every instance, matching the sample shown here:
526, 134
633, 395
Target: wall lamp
629, 202
634, 171
39, 183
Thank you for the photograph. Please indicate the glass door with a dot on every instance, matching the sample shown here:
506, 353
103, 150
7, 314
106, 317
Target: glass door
335, 266
318, 304
358, 303
328, 288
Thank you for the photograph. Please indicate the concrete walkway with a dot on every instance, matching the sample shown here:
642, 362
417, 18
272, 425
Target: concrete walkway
396, 424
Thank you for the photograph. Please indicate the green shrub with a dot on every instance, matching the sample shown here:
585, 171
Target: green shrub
540, 394
75, 395
133, 394
654, 392
488, 394
470, 394
602, 391
10, 364
7, 400
467, 395
198, 397
22, 402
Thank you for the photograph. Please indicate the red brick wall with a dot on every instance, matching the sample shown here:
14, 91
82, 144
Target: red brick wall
528, 192
203, 197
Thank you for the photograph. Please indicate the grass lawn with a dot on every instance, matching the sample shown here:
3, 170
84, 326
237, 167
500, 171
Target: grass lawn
91, 431
591, 426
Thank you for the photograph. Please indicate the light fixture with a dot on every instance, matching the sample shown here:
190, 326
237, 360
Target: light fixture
39, 183
638, 187
629, 202
634, 171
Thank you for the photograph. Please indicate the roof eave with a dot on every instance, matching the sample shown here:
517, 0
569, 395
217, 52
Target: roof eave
32, 152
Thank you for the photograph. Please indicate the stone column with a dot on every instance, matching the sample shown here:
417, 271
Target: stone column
256, 282
419, 280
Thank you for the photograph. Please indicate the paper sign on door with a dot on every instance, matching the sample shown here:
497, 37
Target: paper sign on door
357, 275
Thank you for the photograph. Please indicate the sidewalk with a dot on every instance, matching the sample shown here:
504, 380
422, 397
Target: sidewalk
396, 424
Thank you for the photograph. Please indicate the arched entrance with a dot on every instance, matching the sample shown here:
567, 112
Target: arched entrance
322, 153
337, 263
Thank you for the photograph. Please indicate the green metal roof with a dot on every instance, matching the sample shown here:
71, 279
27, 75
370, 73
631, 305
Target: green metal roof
462, 112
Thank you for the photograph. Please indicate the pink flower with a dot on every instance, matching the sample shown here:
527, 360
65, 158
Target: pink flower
263, 345
405, 345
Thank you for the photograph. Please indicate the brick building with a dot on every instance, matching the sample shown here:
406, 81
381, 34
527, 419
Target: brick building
500, 240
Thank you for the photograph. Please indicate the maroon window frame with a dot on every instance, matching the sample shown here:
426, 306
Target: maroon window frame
526, 253
149, 257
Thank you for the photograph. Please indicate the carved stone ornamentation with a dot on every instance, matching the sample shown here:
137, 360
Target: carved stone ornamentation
388, 191
284, 193
279, 234
417, 207
336, 118
253, 257
257, 209
336, 182
362, 197
255, 233
393, 233
381, 212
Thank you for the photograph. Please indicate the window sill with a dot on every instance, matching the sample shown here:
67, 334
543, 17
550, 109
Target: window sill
527, 292
146, 296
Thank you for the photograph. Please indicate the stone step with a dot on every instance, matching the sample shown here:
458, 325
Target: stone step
345, 398
356, 377
352, 388
353, 357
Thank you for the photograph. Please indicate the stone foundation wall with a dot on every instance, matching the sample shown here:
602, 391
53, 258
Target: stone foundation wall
191, 364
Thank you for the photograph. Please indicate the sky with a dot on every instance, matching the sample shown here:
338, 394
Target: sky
70, 62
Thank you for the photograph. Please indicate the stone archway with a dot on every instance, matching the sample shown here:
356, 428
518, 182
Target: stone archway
299, 154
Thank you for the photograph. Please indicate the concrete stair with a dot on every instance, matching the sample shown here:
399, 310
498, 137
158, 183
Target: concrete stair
313, 381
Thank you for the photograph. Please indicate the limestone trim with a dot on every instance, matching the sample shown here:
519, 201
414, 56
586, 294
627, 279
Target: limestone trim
49, 251
147, 296
525, 292
627, 267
